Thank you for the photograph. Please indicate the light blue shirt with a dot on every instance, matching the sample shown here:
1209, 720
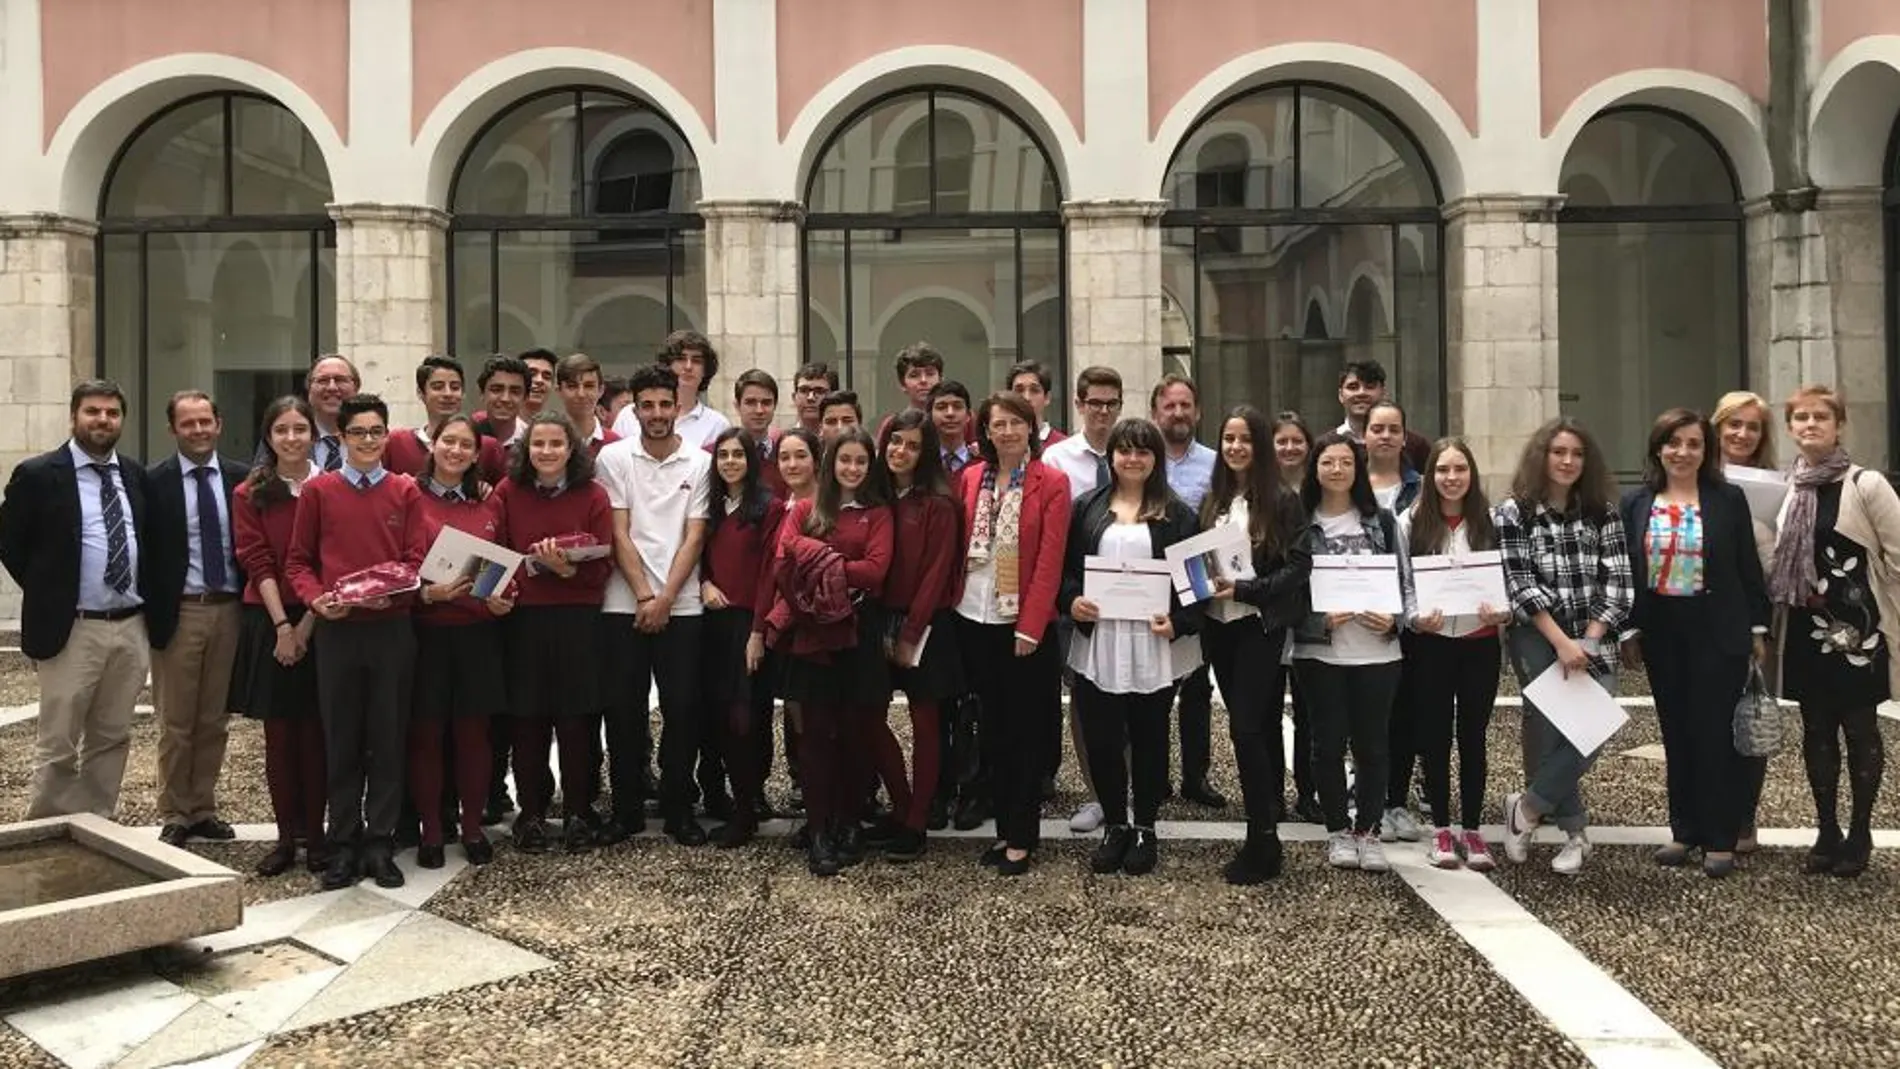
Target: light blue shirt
363, 480
1190, 476
327, 442
94, 594
194, 545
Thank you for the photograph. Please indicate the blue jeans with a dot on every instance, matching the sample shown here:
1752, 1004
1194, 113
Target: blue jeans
1553, 767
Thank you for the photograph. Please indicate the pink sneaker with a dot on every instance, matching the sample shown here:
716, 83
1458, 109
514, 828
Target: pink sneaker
1444, 850
1477, 856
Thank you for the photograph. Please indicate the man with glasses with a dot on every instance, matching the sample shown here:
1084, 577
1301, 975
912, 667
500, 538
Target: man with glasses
810, 386
332, 381
1175, 406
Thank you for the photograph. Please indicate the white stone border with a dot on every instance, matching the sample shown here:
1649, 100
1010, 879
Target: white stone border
1730, 115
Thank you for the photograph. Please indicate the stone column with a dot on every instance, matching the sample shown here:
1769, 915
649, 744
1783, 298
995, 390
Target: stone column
391, 294
1115, 289
752, 296
1501, 324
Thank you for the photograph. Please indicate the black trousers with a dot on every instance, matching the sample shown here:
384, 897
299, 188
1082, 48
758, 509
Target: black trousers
1246, 661
1696, 687
1453, 684
1350, 703
1127, 740
1196, 700
365, 671
1014, 724
1304, 784
634, 661
1401, 745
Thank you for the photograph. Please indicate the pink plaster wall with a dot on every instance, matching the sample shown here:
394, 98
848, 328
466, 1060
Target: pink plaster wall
672, 38
821, 39
1845, 21
84, 42
1585, 41
1187, 39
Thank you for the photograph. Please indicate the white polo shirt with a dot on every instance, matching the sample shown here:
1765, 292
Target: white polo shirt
697, 426
660, 497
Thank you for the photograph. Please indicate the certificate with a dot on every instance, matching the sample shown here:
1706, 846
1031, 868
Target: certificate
1366, 582
1198, 564
1764, 489
1578, 706
1127, 589
458, 554
1456, 586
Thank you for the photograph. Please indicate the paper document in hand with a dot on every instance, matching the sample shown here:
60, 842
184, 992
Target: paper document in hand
456, 554
1127, 589
1367, 582
1578, 706
1457, 586
1199, 564
1765, 490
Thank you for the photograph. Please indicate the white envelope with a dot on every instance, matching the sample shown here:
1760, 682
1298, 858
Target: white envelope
1764, 489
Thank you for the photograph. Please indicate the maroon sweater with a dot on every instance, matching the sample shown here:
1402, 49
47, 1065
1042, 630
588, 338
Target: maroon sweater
738, 560
340, 529
478, 518
407, 455
924, 576
261, 536
527, 517
862, 537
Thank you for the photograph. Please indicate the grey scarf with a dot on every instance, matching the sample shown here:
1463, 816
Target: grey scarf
1793, 578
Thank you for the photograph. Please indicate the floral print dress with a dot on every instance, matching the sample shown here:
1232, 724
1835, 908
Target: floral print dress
1833, 654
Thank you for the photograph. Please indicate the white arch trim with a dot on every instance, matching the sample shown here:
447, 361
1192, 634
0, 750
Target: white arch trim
922, 66
450, 127
1730, 115
91, 133
1851, 113
925, 293
1415, 102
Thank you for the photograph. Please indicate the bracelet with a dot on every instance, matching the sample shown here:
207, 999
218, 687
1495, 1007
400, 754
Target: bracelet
281, 624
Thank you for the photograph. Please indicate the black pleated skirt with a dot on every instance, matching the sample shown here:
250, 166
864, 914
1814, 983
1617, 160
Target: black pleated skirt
551, 668
857, 676
939, 673
261, 688
724, 681
461, 671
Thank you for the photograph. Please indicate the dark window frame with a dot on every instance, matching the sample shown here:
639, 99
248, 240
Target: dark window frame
1890, 249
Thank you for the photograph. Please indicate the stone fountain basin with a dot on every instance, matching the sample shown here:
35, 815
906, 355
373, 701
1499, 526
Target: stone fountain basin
79, 888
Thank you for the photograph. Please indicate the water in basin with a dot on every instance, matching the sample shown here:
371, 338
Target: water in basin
56, 870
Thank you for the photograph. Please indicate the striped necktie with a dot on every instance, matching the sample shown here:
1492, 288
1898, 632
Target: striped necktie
118, 547
334, 460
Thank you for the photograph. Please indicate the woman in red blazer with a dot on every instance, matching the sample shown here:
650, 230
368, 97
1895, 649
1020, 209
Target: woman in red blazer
1015, 525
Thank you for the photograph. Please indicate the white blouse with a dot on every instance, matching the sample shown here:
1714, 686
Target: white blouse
1123, 656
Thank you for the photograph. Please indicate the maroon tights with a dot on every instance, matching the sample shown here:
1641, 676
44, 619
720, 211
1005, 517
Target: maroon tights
531, 737
910, 800
426, 765
835, 750
296, 772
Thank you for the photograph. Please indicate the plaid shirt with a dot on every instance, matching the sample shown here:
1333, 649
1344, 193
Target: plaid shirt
1574, 568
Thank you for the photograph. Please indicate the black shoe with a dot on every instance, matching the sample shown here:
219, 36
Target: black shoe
174, 835
631, 824
761, 809
883, 832
1824, 852
1048, 788
1008, 866
1144, 853
1258, 860
430, 856
1852, 859
939, 818
735, 833
576, 836
719, 806
993, 856
972, 811
407, 835
686, 831
612, 833
344, 869
1201, 794
531, 835
278, 861
1108, 856
480, 851
317, 856
382, 868
1307, 810
908, 846
498, 807
214, 829
801, 839
848, 840
820, 858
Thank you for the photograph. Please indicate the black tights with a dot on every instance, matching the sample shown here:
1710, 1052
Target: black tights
1821, 731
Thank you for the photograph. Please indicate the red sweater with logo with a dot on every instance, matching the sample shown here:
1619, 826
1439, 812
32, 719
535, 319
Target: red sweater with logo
738, 560
340, 529
261, 537
862, 537
479, 518
924, 576
406, 454
528, 517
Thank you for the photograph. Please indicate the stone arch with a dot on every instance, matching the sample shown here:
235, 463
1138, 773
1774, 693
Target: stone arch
1733, 119
1852, 113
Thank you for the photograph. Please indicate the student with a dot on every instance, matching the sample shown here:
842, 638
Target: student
613, 398
553, 679
541, 364
1015, 523
1699, 617
1395, 482
919, 594
810, 385
1175, 407
1362, 385
950, 416
755, 394
460, 653
361, 516
798, 453
694, 364
274, 677
439, 388
504, 386
1030, 380
919, 368
836, 671
577, 378
840, 412
1451, 663
1292, 444
1247, 625
737, 592
1567, 570
1348, 662
1124, 669
1395, 486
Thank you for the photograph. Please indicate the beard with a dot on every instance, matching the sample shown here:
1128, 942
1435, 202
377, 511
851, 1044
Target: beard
1177, 432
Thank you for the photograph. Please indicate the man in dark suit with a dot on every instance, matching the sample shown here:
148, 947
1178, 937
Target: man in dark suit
71, 527
192, 615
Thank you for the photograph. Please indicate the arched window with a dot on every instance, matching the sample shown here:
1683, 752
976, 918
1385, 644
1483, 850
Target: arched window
575, 228
1649, 276
216, 263
1287, 200
933, 215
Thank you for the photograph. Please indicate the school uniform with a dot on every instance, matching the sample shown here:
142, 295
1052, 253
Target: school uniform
738, 560
920, 595
409, 450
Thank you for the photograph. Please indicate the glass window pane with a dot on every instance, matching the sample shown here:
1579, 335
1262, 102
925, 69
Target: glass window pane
524, 163
175, 166
1239, 157
1352, 156
635, 161
1643, 157
119, 275
859, 170
276, 168
985, 160
824, 298
474, 300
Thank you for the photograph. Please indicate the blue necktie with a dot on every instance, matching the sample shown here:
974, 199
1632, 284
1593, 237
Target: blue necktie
118, 549
335, 459
210, 531
1101, 469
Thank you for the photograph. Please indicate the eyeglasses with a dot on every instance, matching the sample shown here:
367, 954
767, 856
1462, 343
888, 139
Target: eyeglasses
811, 391
1096, 404
332, 381
360, 434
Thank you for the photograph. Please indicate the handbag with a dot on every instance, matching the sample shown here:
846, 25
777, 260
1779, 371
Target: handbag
1758, 721
961, 764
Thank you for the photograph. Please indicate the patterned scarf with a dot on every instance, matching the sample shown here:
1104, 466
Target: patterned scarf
1793, 577
996, 534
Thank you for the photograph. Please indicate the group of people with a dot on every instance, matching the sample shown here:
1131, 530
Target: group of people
823, 567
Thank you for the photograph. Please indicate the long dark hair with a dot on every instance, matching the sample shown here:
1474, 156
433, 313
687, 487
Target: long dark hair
813, 445
472, 478
1665, 428
754, 495
1593, 496
1430, 533
1140, 435
266, 487
580, 463
928, 477
1362, 497
1261, 486
823, 518
1292, 419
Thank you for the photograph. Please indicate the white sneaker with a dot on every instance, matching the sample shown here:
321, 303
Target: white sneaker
1372, 854
1569, 860
1444, 850
1342, 850
1087, 819
1517, 838
1398, 825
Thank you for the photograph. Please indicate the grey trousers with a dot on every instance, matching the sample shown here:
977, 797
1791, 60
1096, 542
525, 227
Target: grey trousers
364, 674
1553, 767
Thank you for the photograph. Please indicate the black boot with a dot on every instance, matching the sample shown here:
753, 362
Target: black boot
847, 838
972, 810
1825, 851
1851, 859
1258, 860
821, 858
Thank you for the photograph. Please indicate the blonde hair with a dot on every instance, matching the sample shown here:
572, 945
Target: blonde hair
1733, 404
1816, 392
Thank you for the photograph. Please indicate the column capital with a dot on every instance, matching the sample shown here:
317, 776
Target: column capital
1147, 211
417, 215
1523, 208
37, 224
776, 211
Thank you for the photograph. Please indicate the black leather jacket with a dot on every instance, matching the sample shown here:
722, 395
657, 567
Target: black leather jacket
1091, 520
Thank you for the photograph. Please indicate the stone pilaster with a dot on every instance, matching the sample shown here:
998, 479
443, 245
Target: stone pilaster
391, 296
752, 297
1115, 288
1501, 324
